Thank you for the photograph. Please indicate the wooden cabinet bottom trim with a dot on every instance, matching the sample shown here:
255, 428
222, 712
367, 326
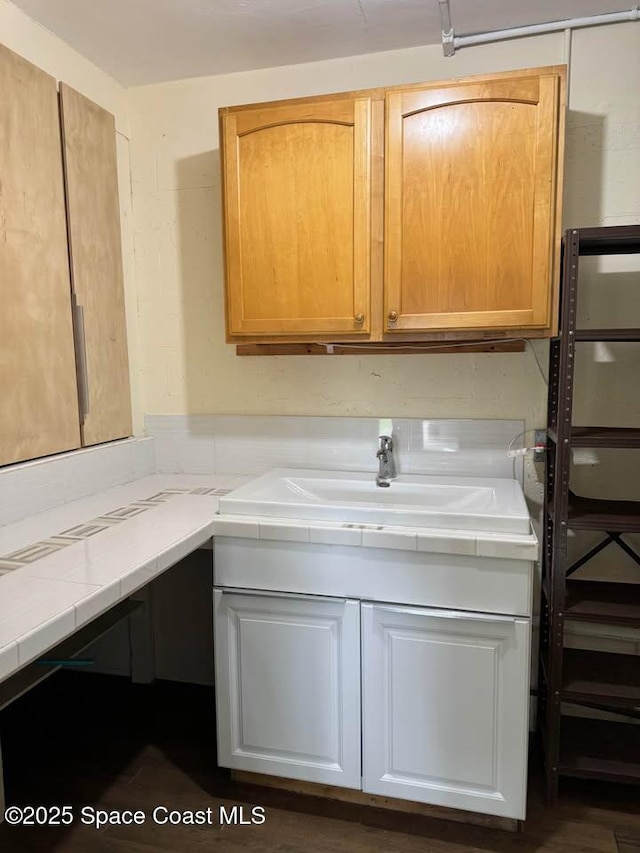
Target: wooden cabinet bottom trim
360, 798
366, 348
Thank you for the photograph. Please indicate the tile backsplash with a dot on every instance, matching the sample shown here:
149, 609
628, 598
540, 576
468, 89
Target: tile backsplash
249, 444
40, 484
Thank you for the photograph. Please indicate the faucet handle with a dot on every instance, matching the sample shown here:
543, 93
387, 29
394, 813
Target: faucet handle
385, 442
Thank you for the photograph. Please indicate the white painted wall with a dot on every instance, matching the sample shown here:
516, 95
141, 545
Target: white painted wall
187, 368
186, 365
34, 42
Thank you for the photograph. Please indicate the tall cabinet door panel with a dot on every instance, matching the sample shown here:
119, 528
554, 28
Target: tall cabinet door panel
470, 229
38, 394
95, 249
288, 686
445, 707
297, 183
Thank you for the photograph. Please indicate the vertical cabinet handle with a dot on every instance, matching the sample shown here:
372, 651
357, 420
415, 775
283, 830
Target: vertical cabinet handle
80, 342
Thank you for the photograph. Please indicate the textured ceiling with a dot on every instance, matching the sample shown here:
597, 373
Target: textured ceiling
148, 41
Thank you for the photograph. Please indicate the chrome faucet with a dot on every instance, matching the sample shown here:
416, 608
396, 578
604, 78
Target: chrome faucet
387, 462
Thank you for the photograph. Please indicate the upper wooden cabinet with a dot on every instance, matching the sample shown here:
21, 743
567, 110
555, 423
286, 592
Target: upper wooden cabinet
470, 204
466, 177
297, 189
38, 395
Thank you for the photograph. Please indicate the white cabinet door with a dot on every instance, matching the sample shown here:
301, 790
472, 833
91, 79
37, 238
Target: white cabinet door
288, 686
446, 707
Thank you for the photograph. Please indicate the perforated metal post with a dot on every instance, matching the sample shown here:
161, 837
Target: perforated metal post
557, 505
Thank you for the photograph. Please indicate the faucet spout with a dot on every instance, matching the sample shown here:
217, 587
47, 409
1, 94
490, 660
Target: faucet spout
387, 470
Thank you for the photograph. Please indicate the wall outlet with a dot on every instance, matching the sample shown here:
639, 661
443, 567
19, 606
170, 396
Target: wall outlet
540, 441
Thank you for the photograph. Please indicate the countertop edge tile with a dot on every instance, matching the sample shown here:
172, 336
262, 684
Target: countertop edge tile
508, 549
334, 534
46, 635
388, 538
287, 532
8, 659
97, 602
182, 547
138, 577
231, 526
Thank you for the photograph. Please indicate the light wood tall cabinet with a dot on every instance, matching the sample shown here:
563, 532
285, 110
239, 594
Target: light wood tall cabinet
95, 250
413, 213
64, 375
297, 189
38, 395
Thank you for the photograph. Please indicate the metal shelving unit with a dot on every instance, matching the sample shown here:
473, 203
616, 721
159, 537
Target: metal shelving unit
573, 746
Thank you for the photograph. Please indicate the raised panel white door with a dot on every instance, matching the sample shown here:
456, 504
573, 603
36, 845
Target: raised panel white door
288, 686
445, 707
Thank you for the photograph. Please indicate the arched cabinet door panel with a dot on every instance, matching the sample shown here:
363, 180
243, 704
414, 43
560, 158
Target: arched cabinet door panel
296, 185
471, 236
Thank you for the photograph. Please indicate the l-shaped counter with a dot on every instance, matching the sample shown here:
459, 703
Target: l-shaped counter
62, 569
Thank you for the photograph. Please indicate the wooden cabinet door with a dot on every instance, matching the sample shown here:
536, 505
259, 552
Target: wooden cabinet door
95, 249
297, 218
470, 218
38, 393
288, 686
446, 707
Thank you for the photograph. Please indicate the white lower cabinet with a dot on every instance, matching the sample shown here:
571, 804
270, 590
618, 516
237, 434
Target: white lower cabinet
445, 707
288, 686
445, 704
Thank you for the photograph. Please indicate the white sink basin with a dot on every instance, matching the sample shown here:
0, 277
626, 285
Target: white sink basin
459, 503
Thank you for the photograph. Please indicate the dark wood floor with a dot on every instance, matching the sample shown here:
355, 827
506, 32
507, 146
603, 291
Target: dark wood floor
82, 739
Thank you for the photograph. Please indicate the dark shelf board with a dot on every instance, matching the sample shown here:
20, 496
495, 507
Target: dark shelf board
597, 514
613, 335
583, 436
602, 601
599, 749
601, 677
609, 240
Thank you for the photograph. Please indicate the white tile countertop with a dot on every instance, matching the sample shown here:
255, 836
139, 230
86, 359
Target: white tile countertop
62, 568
